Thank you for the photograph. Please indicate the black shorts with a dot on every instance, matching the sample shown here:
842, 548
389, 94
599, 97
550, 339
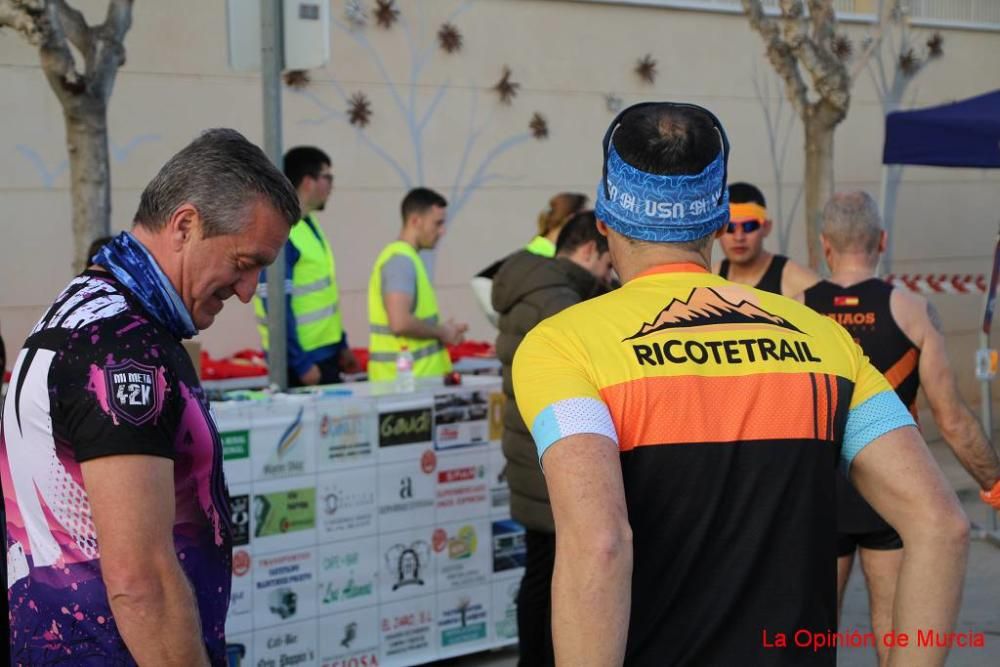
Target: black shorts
859, 525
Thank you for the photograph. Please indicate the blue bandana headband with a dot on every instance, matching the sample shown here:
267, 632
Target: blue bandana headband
659, 208
129, 261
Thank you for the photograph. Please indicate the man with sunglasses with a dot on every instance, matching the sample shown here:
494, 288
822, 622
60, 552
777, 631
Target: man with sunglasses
689, 428
316, 341
746, 260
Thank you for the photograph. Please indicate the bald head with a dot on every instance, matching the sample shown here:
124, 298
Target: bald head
851, 223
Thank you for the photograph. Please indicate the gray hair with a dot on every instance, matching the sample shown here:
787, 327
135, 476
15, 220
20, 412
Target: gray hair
851, 222
221, 174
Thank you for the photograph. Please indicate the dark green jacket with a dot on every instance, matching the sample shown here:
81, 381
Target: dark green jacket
526, 290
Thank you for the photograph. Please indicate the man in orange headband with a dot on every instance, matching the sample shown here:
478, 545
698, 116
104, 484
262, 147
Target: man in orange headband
746, 260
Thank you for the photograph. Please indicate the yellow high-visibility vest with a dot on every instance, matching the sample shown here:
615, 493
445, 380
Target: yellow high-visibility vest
430, 358
315, 297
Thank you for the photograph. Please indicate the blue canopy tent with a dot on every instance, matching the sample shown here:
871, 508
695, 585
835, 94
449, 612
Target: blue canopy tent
960, 134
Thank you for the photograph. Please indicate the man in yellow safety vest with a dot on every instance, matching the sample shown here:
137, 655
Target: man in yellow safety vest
402, 307
316, 341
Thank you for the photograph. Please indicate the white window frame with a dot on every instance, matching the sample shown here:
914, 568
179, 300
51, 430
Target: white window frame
734, 7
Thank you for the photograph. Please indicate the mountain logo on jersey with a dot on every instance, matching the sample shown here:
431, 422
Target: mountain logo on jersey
709, 308
133, 394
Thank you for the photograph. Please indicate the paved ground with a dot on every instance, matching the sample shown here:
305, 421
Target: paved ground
980, 603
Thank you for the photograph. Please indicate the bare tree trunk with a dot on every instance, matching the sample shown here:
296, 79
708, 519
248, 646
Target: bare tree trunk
63, 37
819, 181
90, 176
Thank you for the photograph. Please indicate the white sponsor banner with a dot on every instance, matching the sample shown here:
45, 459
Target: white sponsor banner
284, 514
463, 620
348, 575
461, 419
405, 428
346, 504
463, 554
284, 587
497, 477
462, 486
285, 645
406, 493
350, 639
241, 595
233, 421
283, 437
347, 433
505, 609
406, 565
407, 631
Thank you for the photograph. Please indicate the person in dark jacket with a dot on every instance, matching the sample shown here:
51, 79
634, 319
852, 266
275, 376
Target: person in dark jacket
527, 289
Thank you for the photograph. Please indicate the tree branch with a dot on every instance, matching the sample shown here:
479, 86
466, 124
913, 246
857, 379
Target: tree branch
74, 26
779, 53
22, 16
110, 46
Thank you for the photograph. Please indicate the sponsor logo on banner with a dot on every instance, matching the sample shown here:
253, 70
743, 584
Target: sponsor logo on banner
463, 544
465, 565
134, 391
363, 660
235, 654
406, 563
235, 445
509, 549
345, 437
354, 588
460, 420
240, 509
461, 486
465, 622
285, 646
284, 511
241, 562
290, 437
497, 402
336, 500
404, 427
285, 581
407, 629
505, 608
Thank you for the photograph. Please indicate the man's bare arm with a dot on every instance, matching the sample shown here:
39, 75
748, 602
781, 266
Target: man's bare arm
402, 322
896, 474
959, 427
592, 580
132, 502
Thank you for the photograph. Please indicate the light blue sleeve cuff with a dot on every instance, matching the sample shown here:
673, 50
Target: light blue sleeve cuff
869, 421
571, 416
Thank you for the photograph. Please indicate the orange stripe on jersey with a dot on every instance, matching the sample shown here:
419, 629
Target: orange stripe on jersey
902, 368
686, 409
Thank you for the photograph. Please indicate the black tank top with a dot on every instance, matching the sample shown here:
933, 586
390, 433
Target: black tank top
863, 309
770, 281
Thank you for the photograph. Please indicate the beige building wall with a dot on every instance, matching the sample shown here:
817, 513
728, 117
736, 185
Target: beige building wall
566, 56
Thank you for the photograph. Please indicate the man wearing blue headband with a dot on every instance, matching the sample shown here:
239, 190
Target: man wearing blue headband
689, 429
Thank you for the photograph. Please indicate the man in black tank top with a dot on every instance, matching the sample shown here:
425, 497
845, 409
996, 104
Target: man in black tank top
901, 334
746, 260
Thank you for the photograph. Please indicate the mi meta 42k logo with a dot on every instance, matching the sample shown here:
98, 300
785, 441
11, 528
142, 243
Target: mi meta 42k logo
756, 334
134, 391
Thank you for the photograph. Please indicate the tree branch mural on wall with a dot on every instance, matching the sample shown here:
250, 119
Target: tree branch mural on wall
355, 109
50, 176
779, 120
